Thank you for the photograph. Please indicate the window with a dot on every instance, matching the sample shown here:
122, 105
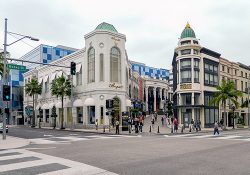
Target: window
196, 63
186, 52
211, 73
195, 42
246, 87
196, 52
196, 99
185, 42
186, 76
79, 77
223, 68
115, 65
241, 85
241, 74
228, 70
186, 63
215, 69
216, 80
79, 112
47, 115
206, 78
186, 99
102, 116
91, 65
101, 67
235, 72
206, 66
196, 76
245, 75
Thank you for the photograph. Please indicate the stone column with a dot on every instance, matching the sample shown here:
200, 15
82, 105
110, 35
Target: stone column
154, 89
146, 93
160, 90
192, 101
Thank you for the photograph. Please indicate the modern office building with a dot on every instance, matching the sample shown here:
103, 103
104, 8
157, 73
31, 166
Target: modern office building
103, 72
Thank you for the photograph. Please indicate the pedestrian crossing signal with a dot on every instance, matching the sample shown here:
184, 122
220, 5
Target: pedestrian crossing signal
72, 68
6, 93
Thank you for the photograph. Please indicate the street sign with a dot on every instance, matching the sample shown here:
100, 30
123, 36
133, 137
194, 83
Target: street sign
16, 66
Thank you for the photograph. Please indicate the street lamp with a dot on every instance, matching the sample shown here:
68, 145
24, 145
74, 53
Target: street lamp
5, 82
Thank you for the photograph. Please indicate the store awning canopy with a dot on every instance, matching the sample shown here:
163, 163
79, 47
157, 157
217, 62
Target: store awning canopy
89, 102
128, 103
45, 106
51, 105
78, 103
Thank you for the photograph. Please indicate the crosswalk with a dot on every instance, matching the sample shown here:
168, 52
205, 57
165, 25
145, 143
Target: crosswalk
209, 136
25, 162
50, 139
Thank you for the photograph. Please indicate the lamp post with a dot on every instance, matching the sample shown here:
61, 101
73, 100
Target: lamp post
5, 81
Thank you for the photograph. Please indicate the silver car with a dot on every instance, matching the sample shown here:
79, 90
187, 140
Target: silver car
1, 128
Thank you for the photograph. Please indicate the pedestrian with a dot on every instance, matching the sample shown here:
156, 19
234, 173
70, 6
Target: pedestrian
199, 124
153, 122
162, 120
129, 124
191, 127
155, 116
216, 128
117, 124
96, 124
196, 125
136, 121
140, 123
175, 125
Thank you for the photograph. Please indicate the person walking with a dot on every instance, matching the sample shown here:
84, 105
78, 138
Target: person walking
117, 124
199, 124
136, 121
216, 128
162, 120
153, 122
129, 124
96, 124
140, 123
175, 125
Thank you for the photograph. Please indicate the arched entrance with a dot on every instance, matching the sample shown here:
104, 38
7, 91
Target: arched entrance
116, 114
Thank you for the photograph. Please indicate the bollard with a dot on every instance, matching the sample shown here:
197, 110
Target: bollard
150, 129
158, 130
104, 128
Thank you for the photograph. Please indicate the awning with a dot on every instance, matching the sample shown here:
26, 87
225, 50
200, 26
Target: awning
51, 105
46, 78
59, 105
38, 106
40, 80
128, 103
78, 103
45, 106
89, 102
78, 67
53, 76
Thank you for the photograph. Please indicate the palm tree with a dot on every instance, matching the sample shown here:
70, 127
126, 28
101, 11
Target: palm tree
61, 87
226, 91
33, 88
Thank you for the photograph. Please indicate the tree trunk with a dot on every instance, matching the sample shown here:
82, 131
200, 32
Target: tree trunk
33, 112
62, 120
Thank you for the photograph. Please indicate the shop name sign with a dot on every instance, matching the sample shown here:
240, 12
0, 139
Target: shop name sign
114, 85
186, 86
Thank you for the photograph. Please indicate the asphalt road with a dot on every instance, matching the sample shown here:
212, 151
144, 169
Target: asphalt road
155, 154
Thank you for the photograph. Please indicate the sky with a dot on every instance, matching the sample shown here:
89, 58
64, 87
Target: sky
152, 28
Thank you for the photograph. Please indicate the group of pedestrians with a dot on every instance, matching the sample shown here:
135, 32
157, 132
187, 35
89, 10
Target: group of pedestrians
195, 125
135, 123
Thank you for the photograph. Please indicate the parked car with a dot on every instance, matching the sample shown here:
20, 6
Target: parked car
1, 128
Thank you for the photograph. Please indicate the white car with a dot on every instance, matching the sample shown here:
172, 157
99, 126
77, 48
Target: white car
1, 128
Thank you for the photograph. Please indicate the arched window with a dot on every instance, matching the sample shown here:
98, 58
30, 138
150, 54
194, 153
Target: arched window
91, 65
115, 65
101, 67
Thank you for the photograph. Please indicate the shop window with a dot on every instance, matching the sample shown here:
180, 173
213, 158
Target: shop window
79, 112
102, 116
101, 67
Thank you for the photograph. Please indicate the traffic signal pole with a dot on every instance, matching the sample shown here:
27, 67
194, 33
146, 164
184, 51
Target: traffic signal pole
4, 78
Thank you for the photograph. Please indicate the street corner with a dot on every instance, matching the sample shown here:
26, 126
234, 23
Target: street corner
13, 142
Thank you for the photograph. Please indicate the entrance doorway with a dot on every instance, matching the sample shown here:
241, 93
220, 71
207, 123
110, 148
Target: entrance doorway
116, 110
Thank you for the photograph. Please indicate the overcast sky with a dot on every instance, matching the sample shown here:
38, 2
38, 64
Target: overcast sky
152, 28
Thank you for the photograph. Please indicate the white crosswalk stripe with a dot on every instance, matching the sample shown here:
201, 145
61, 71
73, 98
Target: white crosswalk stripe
222, 137
68, 139
9, 164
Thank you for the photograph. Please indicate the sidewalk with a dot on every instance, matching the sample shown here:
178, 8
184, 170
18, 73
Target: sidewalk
13, 142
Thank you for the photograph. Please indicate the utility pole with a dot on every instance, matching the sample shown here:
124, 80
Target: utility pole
4, 77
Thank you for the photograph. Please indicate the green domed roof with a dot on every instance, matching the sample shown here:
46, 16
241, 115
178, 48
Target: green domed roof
106, 26
188, 32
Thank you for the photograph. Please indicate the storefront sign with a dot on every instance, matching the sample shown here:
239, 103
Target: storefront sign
115, 85
186, 86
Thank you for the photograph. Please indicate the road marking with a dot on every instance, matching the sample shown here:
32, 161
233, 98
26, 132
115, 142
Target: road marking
47, 135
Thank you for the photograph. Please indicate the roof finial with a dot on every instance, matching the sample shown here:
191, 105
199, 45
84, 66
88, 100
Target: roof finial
187, 25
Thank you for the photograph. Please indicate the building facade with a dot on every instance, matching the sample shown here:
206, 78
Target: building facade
103, 72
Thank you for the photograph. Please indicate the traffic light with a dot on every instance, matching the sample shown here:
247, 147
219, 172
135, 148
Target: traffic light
72, 68
109, 104
6, 93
